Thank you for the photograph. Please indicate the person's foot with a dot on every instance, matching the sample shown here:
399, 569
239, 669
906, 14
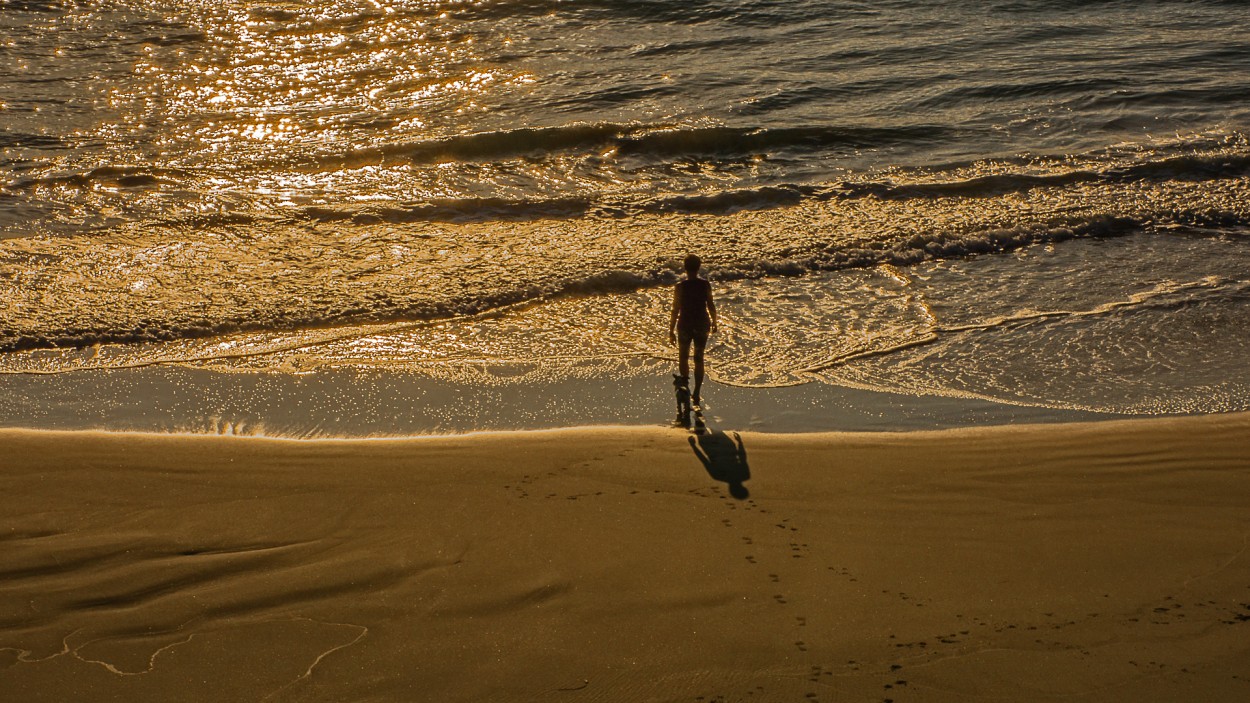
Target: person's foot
695, 399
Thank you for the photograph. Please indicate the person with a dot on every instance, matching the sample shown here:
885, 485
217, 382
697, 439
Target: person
692, 320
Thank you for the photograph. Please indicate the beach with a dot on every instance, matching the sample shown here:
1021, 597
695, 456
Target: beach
335, 357
1080, 561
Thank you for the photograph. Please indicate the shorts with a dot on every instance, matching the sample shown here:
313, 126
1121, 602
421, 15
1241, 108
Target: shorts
698, 335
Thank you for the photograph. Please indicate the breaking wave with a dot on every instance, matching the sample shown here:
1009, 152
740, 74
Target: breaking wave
930, 184
278, 307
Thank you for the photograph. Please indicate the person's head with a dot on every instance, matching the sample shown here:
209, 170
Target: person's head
692, 264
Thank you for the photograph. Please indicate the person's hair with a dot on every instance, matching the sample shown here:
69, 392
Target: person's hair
692, 263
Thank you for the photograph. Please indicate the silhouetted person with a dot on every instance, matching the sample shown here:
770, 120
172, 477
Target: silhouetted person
693, 319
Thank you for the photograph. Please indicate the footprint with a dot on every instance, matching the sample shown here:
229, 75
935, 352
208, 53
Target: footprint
801, 620
780, 599
774, 578
751, 559
801, 645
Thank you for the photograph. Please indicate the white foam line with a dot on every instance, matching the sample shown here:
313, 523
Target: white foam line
308, 673
114, 670
24, 654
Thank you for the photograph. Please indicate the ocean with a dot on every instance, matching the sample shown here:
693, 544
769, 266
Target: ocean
1040, 204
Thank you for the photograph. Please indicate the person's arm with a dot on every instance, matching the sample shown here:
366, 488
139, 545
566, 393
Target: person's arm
672, 318
711, 308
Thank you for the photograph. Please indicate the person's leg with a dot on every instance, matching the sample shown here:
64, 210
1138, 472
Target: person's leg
683, 360
700, 341
698, 372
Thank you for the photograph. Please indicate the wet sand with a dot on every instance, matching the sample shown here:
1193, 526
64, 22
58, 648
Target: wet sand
351, 403
1088, 562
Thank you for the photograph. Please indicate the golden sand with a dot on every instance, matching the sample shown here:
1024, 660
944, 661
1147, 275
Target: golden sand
1098, 562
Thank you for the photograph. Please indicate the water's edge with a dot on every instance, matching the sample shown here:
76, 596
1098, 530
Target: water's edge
354, 403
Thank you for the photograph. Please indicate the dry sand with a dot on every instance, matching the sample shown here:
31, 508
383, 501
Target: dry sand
1098, 562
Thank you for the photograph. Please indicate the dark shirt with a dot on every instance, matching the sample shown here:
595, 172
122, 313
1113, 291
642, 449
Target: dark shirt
692, 297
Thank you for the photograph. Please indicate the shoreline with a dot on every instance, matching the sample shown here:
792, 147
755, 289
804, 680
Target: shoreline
1103, 561
354, 402
1110, 423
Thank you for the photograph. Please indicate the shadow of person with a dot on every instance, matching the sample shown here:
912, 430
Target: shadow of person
725, 460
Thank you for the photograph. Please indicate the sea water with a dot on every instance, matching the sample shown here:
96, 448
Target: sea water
1038, 203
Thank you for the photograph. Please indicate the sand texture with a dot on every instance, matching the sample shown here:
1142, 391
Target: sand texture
1093, 562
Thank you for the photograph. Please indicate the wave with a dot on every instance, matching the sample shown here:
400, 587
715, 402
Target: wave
466, 210
726, 202
929, 184
655, 141
21, 140
175, 39
133, 177
35, 5
378, 307
460, 210
1177, 168
1180, 168
748, 141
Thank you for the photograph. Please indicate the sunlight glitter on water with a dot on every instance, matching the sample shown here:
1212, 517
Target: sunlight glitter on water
886, 198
